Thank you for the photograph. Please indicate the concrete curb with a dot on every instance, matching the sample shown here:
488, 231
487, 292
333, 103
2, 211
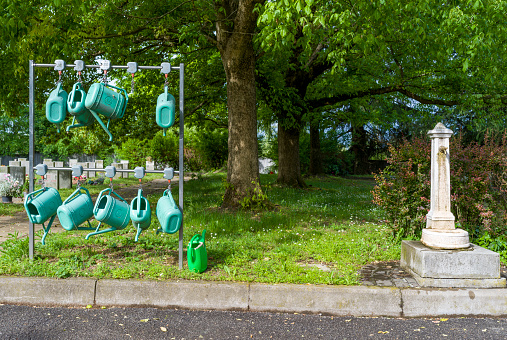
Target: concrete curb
46, 291
333, 300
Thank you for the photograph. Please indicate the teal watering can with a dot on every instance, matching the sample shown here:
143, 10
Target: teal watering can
165, 110
111, 211
42, 205
196, 253
140, 213
168, 213
76, 107
102, 99
75, 210
56, 106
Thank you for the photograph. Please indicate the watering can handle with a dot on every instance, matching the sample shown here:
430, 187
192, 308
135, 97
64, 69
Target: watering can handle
139, 197
124, 92
30, 195
76, 87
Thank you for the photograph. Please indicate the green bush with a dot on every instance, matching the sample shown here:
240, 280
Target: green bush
133, 150
478, 188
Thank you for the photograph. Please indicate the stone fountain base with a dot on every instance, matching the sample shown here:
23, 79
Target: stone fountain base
445, 239
473, 267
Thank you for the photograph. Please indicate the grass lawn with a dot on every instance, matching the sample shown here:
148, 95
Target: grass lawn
321, 235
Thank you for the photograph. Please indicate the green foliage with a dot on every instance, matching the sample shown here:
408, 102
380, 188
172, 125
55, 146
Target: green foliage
257, 200
133, 150
497, 244
478, 187
15, 248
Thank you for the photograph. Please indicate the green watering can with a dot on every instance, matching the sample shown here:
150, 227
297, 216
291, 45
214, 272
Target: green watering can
168, 213
56, 106
75, 210
196, 254
165, 110
41, 205
111, 211
140, 213
102, 99
76, 107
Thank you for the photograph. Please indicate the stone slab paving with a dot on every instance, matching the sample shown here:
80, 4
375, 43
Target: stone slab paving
390, 274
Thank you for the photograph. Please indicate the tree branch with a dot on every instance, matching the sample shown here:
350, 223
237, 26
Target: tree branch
383, 90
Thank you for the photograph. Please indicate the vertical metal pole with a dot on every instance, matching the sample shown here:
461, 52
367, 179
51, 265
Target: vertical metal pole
31, 152
181, 174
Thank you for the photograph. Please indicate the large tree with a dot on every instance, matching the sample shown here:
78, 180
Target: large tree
149, 33
427, 52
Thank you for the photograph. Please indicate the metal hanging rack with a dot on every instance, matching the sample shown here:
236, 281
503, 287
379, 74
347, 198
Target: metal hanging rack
104, 65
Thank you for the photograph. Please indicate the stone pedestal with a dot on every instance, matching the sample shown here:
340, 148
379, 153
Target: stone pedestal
445, 239
474, 267
440, 232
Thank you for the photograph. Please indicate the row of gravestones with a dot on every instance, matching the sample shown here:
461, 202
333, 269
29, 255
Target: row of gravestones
59, 179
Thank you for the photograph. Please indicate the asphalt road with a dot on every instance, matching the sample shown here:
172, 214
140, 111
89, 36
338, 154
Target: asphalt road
27, 322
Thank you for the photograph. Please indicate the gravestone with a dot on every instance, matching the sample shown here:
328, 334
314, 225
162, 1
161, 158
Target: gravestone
118, 166
24, 162
4, 170
91, 165
14, 163
125, 165
64, 179
17, 174
72, 162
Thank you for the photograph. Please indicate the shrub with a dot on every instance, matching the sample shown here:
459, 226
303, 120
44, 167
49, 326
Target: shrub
478, 188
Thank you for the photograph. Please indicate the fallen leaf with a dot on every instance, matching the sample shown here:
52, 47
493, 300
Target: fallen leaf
163, 329
88, 306
144, 320
443, 319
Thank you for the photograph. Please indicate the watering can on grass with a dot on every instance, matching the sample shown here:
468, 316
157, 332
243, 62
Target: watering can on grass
75, 210
103, 99
140, 213
76, 107
42, 205
196, 253
165, 110
168, 213
56, 106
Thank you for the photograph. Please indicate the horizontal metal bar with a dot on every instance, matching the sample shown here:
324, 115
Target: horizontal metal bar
104, 170
114, 66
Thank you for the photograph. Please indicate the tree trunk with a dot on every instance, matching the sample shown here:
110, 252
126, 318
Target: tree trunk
235, 27
360, 150
316, 166
289, 167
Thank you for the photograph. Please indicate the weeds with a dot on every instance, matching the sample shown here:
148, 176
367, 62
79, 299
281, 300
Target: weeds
334, 224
